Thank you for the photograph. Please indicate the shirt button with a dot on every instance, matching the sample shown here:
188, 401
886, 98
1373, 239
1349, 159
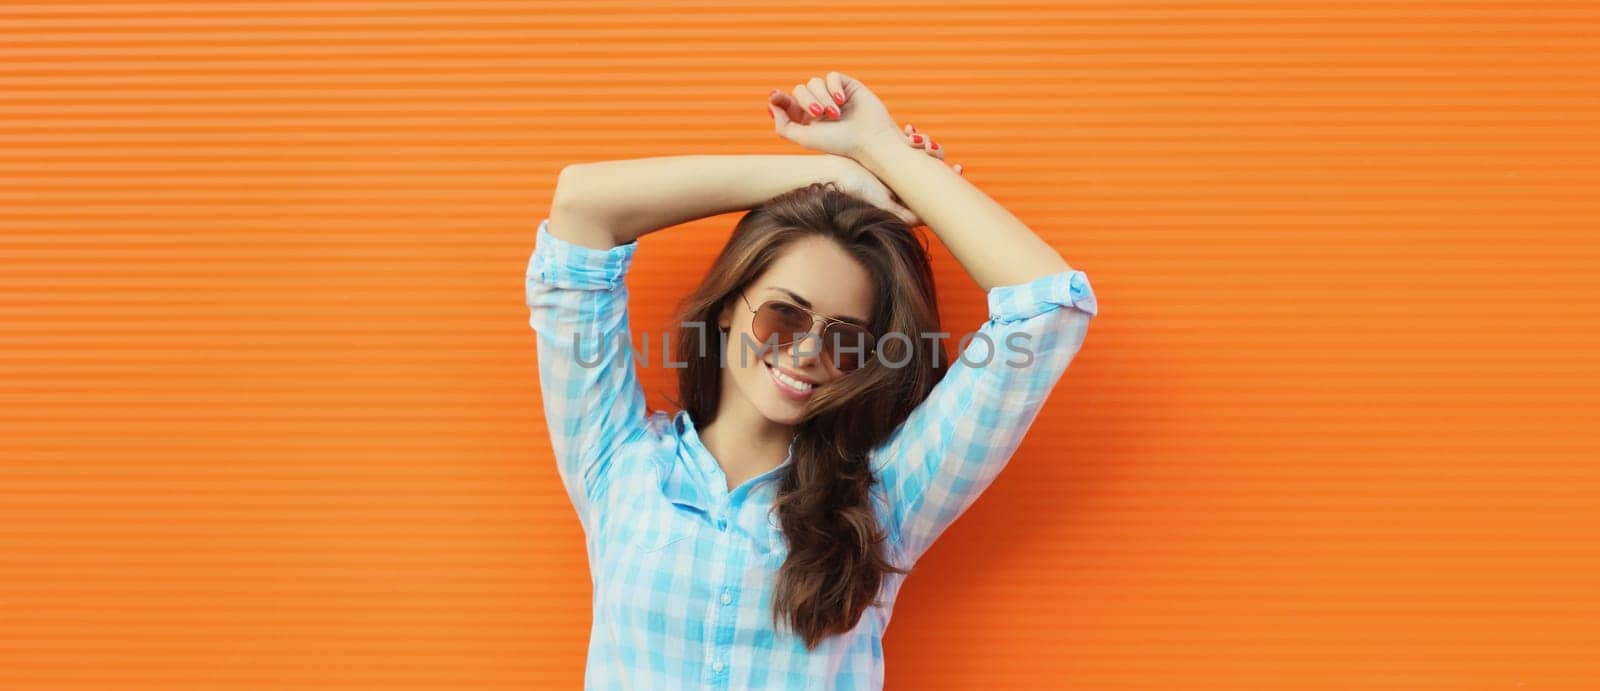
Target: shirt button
726, 598
717, 666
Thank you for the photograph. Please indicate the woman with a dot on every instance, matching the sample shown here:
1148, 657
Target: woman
757, 537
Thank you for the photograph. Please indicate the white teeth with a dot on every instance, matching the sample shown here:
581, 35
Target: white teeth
791, 381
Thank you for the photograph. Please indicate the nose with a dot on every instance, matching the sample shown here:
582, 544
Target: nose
806, 352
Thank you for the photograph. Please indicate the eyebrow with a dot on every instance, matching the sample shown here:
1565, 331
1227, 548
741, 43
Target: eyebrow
807, 304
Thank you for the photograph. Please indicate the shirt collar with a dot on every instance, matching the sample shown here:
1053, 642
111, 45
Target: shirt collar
697, 480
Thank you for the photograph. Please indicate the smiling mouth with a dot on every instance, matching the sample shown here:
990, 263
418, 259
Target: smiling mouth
788, 385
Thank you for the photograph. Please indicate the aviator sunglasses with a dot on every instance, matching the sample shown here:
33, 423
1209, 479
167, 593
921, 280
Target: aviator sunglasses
844, 344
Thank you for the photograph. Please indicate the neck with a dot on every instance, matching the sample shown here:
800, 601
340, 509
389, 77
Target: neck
744, 442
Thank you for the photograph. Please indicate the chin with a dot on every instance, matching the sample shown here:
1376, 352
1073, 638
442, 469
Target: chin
780, 411
786, 415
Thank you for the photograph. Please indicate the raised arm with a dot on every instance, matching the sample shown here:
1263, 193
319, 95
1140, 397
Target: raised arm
994, 247
609, 203
578, 301
954, 444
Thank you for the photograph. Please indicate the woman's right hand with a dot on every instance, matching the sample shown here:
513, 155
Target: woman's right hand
853, 178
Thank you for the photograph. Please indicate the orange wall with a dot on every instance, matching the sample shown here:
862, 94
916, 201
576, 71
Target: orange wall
270, 418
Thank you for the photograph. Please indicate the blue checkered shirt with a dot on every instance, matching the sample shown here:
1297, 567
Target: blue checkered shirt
682, 567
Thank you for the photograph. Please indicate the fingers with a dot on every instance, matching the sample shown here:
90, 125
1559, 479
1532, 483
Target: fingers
923, 141
809, 105
836, 88
819, 91
809, 102
820, 98
815, 100
847, 84
776, 108
791, 108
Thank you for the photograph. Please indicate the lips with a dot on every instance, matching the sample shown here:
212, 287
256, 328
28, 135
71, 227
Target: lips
788, 390
792, 375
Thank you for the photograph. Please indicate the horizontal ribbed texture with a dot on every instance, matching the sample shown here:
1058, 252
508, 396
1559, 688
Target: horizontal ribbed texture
270, 414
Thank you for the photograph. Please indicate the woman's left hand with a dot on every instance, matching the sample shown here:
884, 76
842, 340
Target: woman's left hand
832, 114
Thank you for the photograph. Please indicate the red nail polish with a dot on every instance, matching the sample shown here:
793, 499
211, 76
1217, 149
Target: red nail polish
935, 145
838, 98
816, 110
916, 139
833, 112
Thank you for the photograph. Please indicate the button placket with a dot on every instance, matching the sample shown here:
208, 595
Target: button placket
721, 640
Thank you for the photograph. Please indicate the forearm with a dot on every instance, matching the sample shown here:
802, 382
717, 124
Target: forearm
993, 245
608, 203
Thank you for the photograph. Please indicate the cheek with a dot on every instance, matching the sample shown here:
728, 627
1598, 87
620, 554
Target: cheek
744, 353
743, 365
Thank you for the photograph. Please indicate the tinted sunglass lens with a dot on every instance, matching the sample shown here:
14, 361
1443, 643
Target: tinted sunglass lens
779, 323
784, 320
848, 346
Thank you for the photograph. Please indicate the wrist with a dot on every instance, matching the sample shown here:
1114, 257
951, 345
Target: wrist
882, 152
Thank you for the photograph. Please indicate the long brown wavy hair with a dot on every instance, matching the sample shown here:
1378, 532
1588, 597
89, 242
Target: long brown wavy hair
836, 561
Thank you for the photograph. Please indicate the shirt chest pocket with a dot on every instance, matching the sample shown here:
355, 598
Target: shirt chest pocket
656, 530
647, 566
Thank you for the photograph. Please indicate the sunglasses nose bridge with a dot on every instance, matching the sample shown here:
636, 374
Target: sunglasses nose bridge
818, 326
809, 344
812, 343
